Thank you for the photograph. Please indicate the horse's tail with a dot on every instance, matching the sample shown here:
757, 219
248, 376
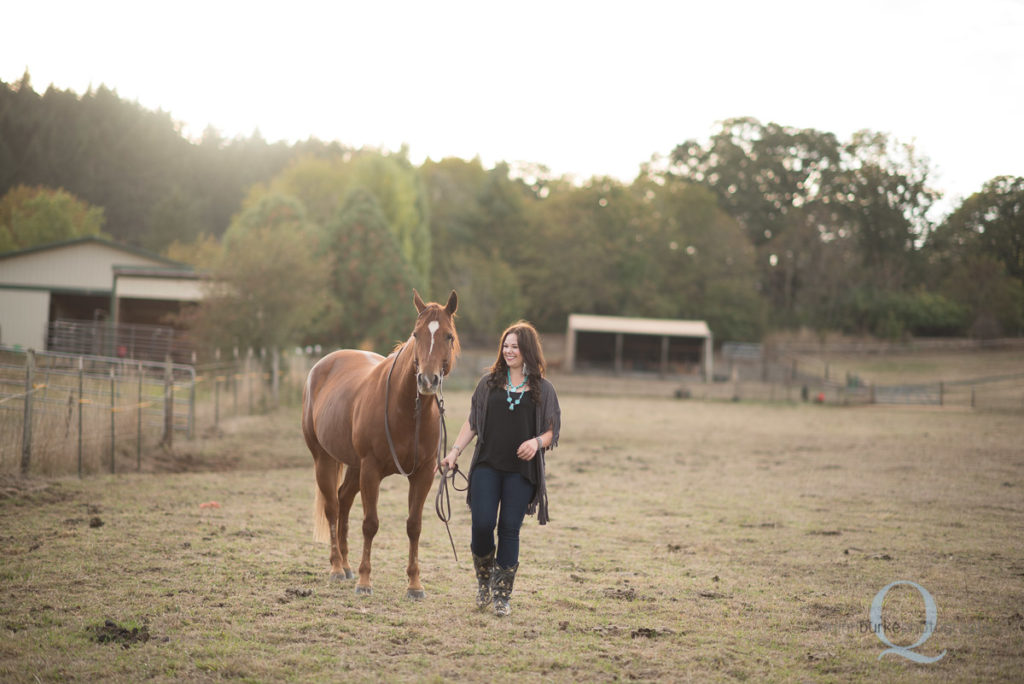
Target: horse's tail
321, 526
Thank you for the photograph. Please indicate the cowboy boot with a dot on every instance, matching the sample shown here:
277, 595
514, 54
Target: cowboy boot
484, 566
502, 580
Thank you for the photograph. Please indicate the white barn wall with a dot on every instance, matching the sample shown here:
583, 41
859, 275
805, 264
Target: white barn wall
24, 315
79, 266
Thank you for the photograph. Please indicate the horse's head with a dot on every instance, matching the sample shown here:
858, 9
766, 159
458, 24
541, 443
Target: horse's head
435, 342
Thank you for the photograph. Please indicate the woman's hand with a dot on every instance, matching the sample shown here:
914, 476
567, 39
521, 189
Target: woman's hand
528, 449
448, 462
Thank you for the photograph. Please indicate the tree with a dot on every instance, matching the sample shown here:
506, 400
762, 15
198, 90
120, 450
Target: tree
38, 216
586, 257
885, 198
268, 284
698, 262
323, 181
762, 174
371, 281
480, 235
804, 198
989, 222
976, 258
993, 300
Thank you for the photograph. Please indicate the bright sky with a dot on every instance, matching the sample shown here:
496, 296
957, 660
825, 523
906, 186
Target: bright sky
585, 87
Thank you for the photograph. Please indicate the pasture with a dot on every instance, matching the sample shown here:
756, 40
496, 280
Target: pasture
704, 541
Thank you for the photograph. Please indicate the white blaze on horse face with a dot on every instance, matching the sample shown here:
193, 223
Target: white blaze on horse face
432, 326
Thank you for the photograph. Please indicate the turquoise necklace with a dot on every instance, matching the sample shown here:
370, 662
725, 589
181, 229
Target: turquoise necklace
509, 389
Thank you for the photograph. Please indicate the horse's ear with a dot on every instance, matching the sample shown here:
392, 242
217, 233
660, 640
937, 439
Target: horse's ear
418, 301
453, 303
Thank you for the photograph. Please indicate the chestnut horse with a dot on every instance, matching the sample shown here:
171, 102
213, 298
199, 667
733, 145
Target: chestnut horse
365, 417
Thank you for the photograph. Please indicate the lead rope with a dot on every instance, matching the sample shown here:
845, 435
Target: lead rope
443, 499
387, 428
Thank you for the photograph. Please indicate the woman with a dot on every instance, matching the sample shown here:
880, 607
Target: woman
514, 416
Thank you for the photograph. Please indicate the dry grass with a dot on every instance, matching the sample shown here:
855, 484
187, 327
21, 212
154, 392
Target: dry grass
689, 541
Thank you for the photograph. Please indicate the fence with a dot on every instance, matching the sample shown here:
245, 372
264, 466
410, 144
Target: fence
123, 340
62, 412
995, 393
794, 379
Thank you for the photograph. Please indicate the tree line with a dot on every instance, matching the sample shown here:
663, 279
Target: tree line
762, 227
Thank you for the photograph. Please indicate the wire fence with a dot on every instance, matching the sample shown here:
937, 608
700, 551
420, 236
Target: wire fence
799, 378
64, 413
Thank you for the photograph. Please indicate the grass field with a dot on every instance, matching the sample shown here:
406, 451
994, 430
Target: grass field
695, 541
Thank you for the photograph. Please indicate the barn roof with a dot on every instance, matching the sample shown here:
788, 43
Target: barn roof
639, 326
90, 239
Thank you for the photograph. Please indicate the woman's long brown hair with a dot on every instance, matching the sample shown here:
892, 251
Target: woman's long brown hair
533, 358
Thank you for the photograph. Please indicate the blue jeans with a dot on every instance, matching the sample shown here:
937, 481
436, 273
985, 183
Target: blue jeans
488, 489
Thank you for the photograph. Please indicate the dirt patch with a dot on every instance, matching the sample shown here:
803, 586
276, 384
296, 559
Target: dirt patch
112, 633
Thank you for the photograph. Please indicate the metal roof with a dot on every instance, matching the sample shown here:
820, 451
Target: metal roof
639, 326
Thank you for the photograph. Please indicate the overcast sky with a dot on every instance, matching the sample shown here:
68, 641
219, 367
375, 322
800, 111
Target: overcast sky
583, 87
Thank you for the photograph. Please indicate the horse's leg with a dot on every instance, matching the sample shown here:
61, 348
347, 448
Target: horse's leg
369, 489
346, 494
327, 471
419, 487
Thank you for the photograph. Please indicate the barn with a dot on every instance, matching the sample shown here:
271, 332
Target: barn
666, 347
93, 296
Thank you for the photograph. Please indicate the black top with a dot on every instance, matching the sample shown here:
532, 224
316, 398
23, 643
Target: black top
506, 430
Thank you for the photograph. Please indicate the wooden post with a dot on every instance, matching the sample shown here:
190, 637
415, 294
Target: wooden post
275, 376
26, 432
113, 418
942, 393
138, 424
248, 373
81, 405
168, 439
192, 402
216, 389
618, 353
234, 384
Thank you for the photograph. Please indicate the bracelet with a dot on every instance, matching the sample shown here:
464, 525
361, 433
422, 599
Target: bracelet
540, 444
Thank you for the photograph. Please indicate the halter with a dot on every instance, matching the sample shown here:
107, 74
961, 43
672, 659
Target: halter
442, 500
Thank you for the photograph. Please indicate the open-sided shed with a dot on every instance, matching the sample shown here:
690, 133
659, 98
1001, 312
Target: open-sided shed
643, 345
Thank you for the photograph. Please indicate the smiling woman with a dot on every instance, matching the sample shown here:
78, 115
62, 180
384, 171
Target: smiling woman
517, 409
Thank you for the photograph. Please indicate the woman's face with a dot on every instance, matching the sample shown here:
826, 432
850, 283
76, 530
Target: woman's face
510, 350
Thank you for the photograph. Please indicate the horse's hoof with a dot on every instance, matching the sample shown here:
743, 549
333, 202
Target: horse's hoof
363, 591
416, 594
341, 576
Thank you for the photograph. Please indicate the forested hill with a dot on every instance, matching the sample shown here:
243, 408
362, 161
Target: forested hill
764, 226
154, 185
